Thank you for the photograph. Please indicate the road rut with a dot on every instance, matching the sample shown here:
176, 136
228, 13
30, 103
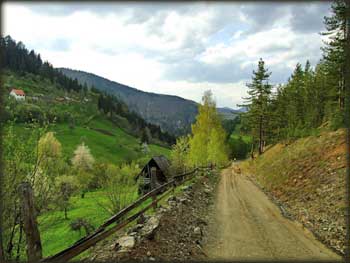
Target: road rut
247, 225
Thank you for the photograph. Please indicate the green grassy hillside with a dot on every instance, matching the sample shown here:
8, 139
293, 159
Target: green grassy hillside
107, 141
74, 118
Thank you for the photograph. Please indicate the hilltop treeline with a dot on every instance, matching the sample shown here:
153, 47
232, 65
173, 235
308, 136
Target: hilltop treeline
312, 96
16, 57
110, 105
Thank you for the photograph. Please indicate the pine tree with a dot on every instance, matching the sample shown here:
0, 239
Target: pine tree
334, 51
257, 103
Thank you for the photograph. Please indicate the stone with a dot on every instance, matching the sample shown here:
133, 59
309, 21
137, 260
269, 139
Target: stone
152, 259
207, 191
149, 253
197, 231
200, 221
162, 210
171, 198
125, 243
149, 228
135, 228
142, 219
183, 201
172, 203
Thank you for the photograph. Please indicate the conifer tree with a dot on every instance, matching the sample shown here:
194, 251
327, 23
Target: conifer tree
334, 51
257, 103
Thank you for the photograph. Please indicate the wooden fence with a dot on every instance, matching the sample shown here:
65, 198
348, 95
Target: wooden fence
119, 220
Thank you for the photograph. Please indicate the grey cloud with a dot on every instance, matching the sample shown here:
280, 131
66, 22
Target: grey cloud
304, 17
140, 11
308, 18
276, 48
263, 15
195, 71
187, 68
63, 9
180, 63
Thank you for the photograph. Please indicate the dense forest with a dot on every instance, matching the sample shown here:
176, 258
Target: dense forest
312, 97
17, 58
111, 105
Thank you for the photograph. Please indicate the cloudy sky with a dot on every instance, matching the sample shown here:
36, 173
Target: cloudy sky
173, 48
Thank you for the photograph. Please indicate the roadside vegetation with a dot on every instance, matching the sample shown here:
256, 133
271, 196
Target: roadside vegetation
298, 140
207, 143
312, 97
77, 147
308, 176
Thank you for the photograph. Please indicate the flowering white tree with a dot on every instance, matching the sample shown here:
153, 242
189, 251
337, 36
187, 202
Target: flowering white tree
83, 159
83, 162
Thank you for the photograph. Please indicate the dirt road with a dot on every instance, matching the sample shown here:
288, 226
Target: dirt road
248, 225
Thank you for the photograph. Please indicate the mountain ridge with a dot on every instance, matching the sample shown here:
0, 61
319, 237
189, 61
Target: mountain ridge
172, 113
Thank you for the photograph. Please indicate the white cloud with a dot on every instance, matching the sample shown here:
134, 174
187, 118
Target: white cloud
225, 94
138, 45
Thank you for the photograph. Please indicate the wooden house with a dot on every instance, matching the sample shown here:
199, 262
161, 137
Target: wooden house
155, 173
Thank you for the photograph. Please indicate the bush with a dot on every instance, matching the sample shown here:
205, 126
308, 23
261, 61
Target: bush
120, 186
337, 120
79, 223
25, 112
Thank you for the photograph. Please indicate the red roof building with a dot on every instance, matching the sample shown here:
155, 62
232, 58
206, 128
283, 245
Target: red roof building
18, 94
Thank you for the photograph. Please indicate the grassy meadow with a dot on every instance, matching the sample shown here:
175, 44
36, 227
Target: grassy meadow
108, 142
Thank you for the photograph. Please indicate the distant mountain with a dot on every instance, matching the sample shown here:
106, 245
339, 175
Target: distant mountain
172, 113
228, 113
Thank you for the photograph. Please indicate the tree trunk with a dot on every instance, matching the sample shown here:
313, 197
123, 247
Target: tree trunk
252, 151
2, 255
260, 135
347, 122
10, 243
19, 242
34, 251
65, 213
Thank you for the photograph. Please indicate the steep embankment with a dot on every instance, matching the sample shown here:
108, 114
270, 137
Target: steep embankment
307, 177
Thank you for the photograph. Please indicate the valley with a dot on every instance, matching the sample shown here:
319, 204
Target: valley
171, 113
255, 167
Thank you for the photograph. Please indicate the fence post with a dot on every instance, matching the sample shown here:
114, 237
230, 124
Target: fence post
30, 225
153, 185
173, 187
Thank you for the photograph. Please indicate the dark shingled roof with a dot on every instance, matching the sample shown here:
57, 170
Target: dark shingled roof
163, 164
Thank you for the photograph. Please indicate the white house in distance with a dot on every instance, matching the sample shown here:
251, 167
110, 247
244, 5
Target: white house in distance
18, 94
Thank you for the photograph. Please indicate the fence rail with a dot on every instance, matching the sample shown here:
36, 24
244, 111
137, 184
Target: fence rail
105, 230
